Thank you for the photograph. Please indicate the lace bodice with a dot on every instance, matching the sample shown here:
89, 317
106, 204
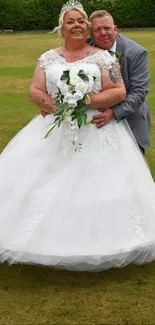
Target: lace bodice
54, 64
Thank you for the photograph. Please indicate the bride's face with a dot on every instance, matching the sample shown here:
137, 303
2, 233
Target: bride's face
74, 26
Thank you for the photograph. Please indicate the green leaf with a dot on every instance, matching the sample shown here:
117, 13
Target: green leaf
83, 75
79, 114
65, 76
118, 56
50, 130
60, 116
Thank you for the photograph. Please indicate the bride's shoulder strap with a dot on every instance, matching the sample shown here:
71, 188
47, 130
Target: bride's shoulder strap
104, 59
47, 58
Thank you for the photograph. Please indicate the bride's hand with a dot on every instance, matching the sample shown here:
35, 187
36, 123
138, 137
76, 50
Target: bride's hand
48, 106
38, 93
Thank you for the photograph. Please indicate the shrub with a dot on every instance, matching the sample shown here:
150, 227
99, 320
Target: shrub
43, 14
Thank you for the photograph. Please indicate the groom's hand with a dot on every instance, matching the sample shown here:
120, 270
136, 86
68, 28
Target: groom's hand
103, 118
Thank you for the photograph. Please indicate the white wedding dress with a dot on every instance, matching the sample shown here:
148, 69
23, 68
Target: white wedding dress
88, 210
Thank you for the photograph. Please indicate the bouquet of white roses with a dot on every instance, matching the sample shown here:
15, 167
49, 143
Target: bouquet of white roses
71, 101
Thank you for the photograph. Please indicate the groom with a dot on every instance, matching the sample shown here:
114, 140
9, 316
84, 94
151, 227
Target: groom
134, 68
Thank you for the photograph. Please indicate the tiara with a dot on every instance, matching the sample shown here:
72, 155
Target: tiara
71, 4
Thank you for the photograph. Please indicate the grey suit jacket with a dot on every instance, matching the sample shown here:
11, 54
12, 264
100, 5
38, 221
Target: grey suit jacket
134, 69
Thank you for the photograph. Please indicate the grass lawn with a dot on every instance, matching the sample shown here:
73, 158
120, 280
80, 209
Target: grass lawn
36, 295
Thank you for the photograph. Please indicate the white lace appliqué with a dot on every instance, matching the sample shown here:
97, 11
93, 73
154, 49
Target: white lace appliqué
101, 58
35, 217
138, 220
110, 136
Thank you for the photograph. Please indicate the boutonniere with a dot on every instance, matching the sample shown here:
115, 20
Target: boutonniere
118, 56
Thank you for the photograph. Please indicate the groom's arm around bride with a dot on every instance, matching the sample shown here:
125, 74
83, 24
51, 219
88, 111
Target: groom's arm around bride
134, 69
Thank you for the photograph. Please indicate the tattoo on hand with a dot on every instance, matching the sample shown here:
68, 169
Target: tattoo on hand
115, 74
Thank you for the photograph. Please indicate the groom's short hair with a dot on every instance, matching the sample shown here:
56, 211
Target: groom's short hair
100, 13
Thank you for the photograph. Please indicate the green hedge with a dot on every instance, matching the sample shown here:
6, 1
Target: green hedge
43, 14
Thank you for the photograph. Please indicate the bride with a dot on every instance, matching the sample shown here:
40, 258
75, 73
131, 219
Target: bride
79, 210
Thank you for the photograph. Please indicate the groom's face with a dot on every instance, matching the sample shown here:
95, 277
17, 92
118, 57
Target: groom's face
103, 32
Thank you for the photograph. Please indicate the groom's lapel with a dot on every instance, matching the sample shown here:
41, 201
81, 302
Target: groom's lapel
119, 49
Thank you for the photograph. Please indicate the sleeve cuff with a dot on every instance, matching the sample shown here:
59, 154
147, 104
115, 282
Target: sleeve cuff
118, 112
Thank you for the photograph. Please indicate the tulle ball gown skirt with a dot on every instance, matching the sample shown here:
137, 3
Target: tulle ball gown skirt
85, 211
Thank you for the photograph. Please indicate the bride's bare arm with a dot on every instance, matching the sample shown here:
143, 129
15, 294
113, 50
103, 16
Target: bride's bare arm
113, 89
38, 92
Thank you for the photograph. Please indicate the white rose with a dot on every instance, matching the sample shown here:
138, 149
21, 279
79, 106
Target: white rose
73, 74
82, 87
68, 96
74, 80
72, 103
78, 95
74, 70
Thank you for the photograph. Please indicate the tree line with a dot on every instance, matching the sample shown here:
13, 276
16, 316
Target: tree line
43, 14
